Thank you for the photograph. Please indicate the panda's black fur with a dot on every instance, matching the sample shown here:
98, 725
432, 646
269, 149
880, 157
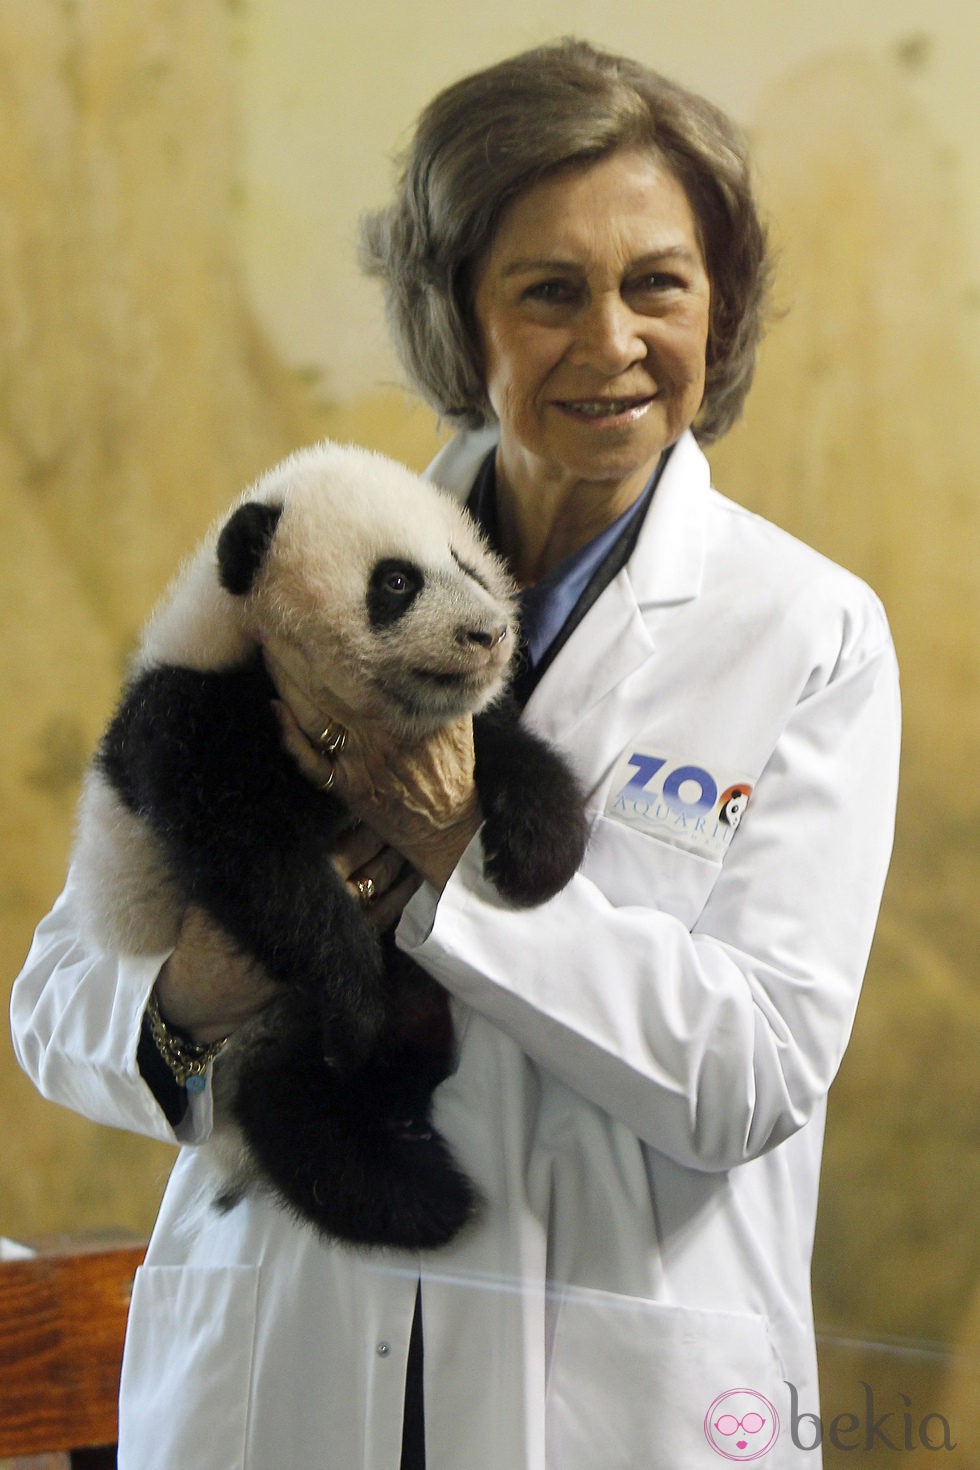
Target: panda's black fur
193, 798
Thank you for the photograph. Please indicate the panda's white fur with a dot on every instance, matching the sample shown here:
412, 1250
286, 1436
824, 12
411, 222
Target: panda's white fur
127, 898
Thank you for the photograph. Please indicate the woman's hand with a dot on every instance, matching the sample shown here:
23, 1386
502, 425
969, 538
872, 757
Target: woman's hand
208, 987
422, 801
376, 875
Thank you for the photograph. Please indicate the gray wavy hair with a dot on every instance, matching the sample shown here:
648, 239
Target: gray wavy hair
489, 137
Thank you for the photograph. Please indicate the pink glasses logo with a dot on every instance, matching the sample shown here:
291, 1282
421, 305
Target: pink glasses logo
741, 1425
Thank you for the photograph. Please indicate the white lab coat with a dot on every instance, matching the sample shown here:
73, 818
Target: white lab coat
643, 1064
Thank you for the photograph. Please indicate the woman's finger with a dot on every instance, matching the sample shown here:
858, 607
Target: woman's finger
375, 877
358, 847
319, 766
385, 912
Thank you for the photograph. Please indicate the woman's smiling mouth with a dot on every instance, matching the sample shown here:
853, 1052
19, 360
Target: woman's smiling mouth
604, 410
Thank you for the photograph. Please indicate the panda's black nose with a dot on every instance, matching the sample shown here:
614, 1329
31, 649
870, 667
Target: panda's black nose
485, 637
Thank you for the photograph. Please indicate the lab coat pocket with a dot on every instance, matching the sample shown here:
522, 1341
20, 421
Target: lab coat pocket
188, 1326
631, 1383
634, 868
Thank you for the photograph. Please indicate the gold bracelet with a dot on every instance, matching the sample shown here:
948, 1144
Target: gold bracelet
187, 1060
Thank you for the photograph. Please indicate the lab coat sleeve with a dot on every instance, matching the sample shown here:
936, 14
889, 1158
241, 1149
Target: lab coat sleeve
712, 1043
76, 1016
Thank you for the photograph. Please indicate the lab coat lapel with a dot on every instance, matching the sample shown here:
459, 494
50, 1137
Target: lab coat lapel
611, 643
617, 637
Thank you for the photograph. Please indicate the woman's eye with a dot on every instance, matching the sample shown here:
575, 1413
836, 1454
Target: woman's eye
550, 291
657, 282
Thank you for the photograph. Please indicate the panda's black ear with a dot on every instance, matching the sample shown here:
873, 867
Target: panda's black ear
245, 538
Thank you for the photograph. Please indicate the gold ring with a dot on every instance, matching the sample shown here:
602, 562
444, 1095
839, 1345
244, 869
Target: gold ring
366, 891
326, 785
332, 739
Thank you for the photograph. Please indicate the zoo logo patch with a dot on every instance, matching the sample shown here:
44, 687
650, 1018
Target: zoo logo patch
678, 802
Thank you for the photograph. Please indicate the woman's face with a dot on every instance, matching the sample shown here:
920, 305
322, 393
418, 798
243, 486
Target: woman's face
592, 309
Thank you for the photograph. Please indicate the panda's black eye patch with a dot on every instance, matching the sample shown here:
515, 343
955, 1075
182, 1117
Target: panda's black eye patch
392, 588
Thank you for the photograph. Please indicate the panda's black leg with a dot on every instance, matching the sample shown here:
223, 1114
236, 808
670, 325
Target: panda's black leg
356, 1156
535, 830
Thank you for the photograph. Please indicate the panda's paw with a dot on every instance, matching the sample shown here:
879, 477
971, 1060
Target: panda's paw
433, 1216
534, 830
528, 862
404, 1190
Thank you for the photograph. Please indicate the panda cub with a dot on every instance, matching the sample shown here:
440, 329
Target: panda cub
385, 589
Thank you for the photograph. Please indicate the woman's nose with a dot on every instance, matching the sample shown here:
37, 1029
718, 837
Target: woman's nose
608, 336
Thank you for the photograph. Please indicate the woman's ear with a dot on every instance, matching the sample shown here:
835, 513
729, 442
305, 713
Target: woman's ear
244, 541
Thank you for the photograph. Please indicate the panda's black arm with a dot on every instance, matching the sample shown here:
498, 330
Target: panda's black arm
535, 830
199, 756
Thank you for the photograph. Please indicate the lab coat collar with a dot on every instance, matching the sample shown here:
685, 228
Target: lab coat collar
668, 561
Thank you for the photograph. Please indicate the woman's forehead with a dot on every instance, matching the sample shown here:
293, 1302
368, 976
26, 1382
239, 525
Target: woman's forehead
630, 203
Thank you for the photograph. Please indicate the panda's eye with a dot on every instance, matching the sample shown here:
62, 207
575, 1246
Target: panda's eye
392, 589
396, 578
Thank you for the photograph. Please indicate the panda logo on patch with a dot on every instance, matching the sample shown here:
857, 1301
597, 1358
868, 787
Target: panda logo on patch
733, 804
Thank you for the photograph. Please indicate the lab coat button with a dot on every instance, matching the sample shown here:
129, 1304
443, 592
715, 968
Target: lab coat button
384, 1348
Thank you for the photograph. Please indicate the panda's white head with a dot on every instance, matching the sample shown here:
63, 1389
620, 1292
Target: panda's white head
380, 582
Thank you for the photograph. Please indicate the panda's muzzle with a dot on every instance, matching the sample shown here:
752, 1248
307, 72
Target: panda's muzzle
482, 648
485, 653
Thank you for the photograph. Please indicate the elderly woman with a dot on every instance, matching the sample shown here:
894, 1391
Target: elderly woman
575, 272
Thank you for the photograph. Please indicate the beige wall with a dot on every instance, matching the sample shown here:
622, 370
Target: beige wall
179, 189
